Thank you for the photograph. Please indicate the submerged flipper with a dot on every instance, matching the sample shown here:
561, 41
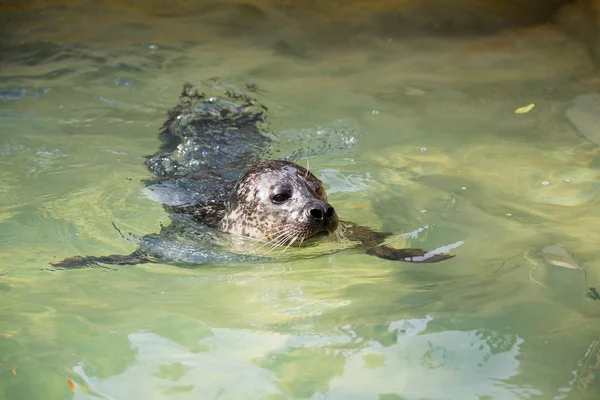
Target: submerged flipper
155, 249
78, 262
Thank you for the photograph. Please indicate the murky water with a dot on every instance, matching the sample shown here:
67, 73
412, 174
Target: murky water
439, 149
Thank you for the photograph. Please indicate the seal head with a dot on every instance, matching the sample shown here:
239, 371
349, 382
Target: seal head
279, 202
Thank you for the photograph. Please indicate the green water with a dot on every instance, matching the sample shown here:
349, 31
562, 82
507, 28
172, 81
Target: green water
86, 86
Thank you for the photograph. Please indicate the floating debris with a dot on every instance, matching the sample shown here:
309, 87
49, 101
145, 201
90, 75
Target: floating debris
71, 385
524, 109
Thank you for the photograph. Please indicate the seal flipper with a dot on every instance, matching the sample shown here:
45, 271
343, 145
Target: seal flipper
79, 262
407, 255
371, 241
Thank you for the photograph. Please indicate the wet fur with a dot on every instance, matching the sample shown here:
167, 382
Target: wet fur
250, 212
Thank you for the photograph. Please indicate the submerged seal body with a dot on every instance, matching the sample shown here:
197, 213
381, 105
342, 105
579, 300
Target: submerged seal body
213, 175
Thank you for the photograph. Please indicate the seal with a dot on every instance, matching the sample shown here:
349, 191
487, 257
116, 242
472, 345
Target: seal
213, 175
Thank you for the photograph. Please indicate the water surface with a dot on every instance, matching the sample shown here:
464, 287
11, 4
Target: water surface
440, 157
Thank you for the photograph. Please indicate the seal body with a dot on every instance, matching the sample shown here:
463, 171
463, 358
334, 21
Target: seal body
213, 175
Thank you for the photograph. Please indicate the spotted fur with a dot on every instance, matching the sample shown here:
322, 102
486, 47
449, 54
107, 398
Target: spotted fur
251, 212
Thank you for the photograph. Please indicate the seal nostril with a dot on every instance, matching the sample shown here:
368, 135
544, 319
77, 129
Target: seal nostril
316, 213
330, 212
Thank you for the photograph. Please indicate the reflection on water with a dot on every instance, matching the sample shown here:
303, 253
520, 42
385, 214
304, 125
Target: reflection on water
421, 97
236, 364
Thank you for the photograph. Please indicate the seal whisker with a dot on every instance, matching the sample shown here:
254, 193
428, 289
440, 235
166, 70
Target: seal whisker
280, 229
281, 234
338, 236
291, 242
270, 242
264, 243
279, 244
281, 238
302, 239
307, 168
339, 231
276, 233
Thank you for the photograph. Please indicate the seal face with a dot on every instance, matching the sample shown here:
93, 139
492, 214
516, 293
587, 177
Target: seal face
279, 202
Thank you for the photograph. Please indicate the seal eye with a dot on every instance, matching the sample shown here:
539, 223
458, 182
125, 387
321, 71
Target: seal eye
280, 198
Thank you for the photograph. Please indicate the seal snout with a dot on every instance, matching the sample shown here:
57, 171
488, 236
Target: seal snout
323, 214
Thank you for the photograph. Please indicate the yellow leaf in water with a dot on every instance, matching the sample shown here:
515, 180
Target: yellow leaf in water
524, 109
14, 371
